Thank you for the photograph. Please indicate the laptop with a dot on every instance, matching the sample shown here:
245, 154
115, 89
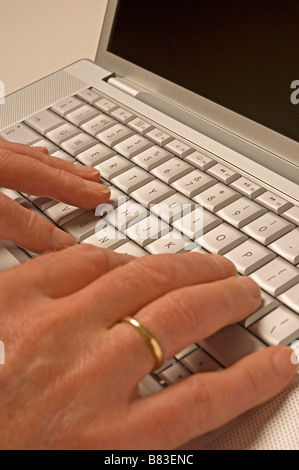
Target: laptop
193, 104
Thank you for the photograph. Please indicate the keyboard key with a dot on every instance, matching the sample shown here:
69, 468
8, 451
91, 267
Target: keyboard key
273, 202
108, 237
95, 155
62, 213
276, 276
98, 124
113, 167
197, 223
173, 208
241, 212
67, 106
126, 215
151, 158
194, 183
47, 144
14, 195
174, 242
42, 203
44, 121
82, 115
89, 96
217, 197
131, 249
133, 146
19, 254
291, 298
159, 137
199, 361
149, 386
132, 179
123, 115
268, 228
279, 327
173, 374
288, 246
20, 134
140, 126
292, 214
83, 226
117, 197
78, 144
63, 133
148, 230
179, 148
231, 344
247, 187
201, 159
269, 304
172, 170
221, 239
152, 193
223, 173
63, 156
7, 260
184, 352
105, 105
114, 135
249, 256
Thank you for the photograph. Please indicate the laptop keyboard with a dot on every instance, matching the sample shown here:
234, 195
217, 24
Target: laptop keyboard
230, 215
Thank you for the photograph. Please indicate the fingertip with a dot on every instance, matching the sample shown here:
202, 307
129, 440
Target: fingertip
226, 266
61, 240
41, 149
285, 362
100, 193
87, 173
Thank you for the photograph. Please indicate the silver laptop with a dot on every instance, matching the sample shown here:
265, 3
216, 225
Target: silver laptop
189, 104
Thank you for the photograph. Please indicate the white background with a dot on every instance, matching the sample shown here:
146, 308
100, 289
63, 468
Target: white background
38, 37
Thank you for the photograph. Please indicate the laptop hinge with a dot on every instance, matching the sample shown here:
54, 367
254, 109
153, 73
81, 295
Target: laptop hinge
124, 85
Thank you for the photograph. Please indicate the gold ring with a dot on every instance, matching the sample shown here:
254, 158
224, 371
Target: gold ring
150, 339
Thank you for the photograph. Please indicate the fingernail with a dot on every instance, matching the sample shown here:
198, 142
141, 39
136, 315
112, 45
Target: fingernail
86, 170
283, 363
252, 288
42, 149
226, 266
62, 239
99, 188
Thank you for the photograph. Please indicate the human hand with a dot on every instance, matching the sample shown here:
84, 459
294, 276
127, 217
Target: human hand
71, 373
33, 171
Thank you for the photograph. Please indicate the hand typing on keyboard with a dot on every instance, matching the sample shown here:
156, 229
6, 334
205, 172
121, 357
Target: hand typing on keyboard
32, 171
72, 366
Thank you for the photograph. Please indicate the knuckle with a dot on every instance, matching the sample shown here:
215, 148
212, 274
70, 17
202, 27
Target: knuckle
32, 220
153, 270
255, 382
203, 406
97, 257
5, 156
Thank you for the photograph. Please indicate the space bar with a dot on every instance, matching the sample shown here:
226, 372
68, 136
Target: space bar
231, 344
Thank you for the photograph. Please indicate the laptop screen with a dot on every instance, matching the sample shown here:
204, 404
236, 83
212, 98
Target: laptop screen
243, 55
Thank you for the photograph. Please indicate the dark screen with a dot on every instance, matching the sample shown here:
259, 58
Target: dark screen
242, 54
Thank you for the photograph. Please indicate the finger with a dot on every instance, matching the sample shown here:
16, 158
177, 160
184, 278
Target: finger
31, 176
41, 154
146, 279
60, 274
204, 402
29, 230
186, 316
